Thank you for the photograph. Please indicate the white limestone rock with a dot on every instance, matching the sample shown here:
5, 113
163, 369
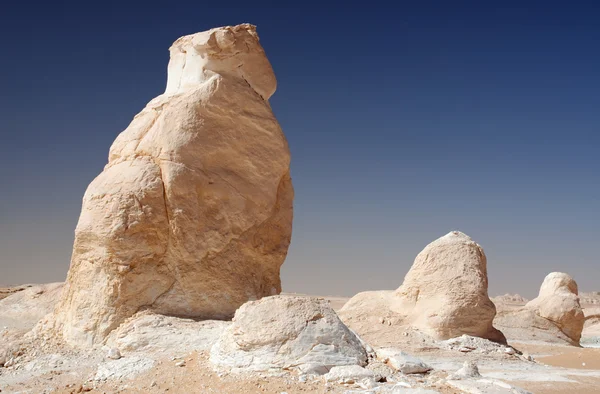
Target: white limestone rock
558, 301
348, 374
283, 332
152, 333
445, 294
124, 368
554, 316
402, 361
469, 370
192, 215
114, 354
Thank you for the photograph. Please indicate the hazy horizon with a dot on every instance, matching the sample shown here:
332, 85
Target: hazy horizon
405, 122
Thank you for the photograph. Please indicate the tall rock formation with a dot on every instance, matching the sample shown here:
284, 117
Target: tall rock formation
444, 294
558, 302
192, 215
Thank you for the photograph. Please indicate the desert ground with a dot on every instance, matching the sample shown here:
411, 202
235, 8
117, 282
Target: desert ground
175, 358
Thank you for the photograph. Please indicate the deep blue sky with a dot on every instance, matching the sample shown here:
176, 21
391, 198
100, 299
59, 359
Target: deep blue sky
405, 121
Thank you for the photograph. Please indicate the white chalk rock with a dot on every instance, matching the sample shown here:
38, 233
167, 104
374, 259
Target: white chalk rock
124, 368
114, 354
444, 294
469, 370
402, 361
558, 302
285, 332
348, 374
151, 333
554, 316
192, 215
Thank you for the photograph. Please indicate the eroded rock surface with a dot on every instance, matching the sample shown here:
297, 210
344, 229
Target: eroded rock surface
153, 333
286, 332
445, 294
192, 215
23, 309
554, 316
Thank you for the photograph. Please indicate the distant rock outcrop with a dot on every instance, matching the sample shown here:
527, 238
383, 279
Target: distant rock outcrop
286, 332
444, 294
21, 310
510, 299
192, 215
554, 316
589, 298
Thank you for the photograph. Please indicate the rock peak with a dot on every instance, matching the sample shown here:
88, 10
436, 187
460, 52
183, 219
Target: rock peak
231, 51
556, 282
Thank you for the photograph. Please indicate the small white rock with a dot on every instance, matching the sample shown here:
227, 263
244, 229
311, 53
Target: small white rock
509, 350
468, 370
180, 364
114, 354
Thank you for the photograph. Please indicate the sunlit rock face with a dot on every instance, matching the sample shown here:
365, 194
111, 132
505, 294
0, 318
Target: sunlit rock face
444, 294
555, 315
192, 215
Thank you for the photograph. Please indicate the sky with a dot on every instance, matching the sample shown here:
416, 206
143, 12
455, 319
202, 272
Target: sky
405, 121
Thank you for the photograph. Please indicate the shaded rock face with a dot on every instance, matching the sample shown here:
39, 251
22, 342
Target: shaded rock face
443, 295
284, 332
192, 215
555, 315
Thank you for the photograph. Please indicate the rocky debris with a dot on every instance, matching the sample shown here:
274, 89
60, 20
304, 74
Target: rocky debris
394, 389
312, 369
444, 294
149, 332
124, 368
589, 298
510, 299
554, 316
381, 371
114, 354
401, 361
558, 302
283, 332
192, 215
467, 344
469, 370
349, 374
